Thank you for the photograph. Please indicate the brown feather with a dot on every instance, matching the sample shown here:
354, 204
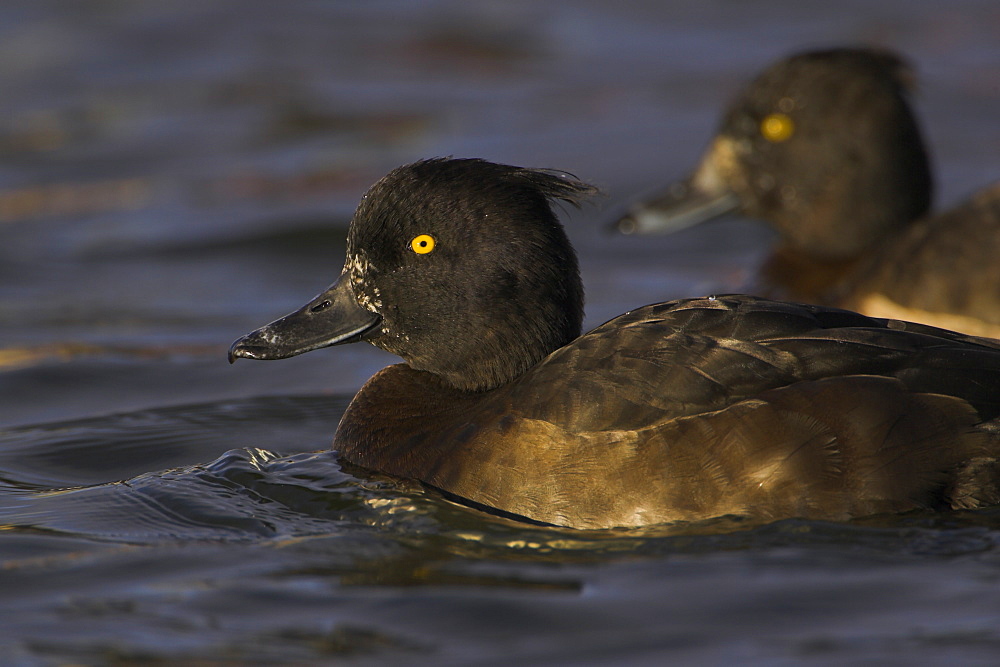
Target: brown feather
741, 406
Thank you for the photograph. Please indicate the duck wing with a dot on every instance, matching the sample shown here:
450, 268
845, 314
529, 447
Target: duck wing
693, 356
740, 405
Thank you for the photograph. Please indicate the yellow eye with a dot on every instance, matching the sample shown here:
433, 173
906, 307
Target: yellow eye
422, 244
777, 127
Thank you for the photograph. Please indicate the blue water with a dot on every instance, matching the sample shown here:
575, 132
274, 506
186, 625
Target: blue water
173, 175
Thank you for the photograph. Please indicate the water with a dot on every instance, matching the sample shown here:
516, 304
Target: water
173, 175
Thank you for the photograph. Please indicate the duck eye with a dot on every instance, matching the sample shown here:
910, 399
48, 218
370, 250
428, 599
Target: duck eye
422, 244
777, 127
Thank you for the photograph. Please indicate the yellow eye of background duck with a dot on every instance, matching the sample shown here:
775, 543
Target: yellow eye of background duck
777, 127
422, 244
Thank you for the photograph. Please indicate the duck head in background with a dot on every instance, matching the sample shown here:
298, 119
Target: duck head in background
825, 147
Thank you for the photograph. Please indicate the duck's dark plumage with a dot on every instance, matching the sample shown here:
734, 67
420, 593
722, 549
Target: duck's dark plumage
676, 411
429, 308
845, 179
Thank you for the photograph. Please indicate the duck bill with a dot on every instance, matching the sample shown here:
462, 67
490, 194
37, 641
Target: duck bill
704, 196
332, 318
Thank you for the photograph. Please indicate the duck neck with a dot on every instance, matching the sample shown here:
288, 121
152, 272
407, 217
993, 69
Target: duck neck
498, 355
791, 274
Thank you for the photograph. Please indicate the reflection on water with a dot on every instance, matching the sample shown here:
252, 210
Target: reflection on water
174, 174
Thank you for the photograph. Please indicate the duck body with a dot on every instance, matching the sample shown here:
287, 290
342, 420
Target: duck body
942, 270
825, 147
678, 411
688, 410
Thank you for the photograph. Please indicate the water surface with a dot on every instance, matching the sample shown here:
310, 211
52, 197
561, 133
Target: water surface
173, 175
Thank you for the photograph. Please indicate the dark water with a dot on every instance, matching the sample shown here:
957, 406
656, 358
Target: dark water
173, 175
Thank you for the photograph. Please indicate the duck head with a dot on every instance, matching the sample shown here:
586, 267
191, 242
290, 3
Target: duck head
459, 266
822, 145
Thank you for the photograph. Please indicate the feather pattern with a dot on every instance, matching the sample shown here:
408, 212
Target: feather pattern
697, 408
